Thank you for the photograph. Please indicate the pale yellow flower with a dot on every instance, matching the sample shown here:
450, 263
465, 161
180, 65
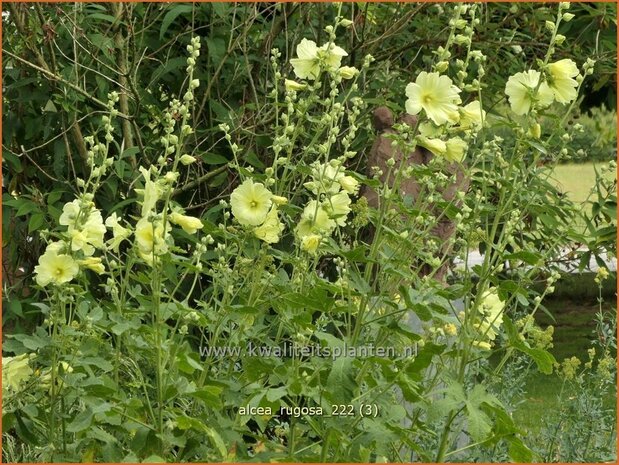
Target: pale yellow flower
15, 370
84, 225
314, 220
456, 148
482, 345
151, 237
151, 193
349, 184
55, 268
294, 85
492, 308
325, 178
310, 243
472, 115
520, 89
251, 203
429, 129
338, 207
190, 224
348, 72
94, 229
450, 329
79, 241
119, 232
436, 95
561, 74
271, 229
535, 131
311, 59
278, 200
436, 146
70, 213
92, 263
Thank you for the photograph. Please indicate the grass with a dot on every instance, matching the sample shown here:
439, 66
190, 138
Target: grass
574, 331
576, 180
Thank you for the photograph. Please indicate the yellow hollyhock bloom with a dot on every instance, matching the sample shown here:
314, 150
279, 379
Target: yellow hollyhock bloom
151, 193
310, 243
70, 212
492, 308
436, 95
349, 184
456, 148
190, 224
482, 345
520, 91
348, 72
15, 370
294, 85
79, 241
92, 263
436, 146
55, 268
271, 229
94, 229
325, 179
338, 207
251, 203
278, 200
314, 220
560, 80
151, 237
84, 225
472, 115
119, 232
311, 57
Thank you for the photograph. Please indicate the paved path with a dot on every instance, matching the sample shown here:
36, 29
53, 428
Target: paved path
475, 258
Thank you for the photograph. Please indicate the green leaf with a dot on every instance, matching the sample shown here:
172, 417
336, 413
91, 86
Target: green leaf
341, 384
153, 459
210, 395
518, 451
108, 18
171, 15
50, 107
81, 422
274, 394
26, 207
220, 9
15, 308
213, 159
187, 364
479, 422
216, 49
36, 222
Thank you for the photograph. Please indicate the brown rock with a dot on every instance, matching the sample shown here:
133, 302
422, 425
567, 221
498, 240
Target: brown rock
382, 150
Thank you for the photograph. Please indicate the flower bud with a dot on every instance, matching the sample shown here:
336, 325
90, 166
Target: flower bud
550, 26
441, 66
567, 17
294, 85
187, 159
348, 72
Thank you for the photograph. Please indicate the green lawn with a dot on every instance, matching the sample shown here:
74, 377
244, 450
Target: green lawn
576, 180
574, 331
